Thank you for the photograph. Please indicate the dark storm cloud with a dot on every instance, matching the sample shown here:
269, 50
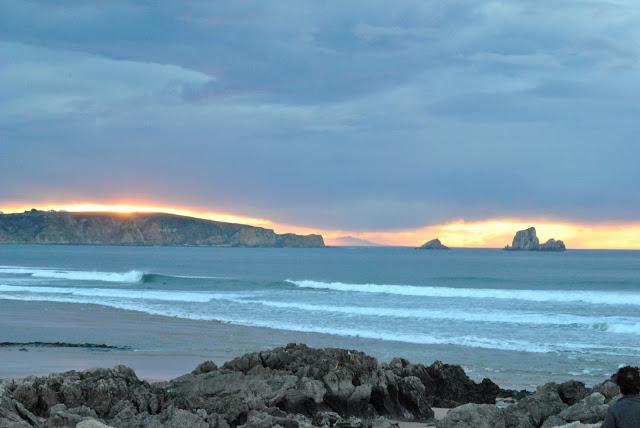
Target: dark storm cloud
351, 115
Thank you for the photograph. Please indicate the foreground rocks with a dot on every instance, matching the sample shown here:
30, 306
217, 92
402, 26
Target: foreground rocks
568, 405
294, 386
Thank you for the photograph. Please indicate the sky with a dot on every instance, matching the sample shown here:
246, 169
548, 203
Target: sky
382, 120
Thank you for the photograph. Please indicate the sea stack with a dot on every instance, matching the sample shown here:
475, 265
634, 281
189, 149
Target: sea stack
434, 244
527, 240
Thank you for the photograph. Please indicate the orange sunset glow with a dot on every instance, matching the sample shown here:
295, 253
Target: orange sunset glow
490, 233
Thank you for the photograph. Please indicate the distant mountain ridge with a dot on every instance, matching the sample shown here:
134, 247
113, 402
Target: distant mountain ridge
352, 241
99, 228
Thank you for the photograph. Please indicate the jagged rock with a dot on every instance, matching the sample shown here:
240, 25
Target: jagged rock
589, 410
98, 389
288, 387
273, 419
305, 399
473, 416
91, 423
527, 240
553, 245
13, 414
59, 417
553, 421
232, 394
434, 244
534, 410
452, 385
607, 388
205, 367
572, 391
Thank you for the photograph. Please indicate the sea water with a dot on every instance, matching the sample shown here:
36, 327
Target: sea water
573, 314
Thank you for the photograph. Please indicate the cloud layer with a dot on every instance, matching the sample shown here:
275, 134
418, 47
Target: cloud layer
366, 115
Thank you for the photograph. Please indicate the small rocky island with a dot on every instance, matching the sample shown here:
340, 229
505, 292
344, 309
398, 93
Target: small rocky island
434, 244
527, 240
100, 228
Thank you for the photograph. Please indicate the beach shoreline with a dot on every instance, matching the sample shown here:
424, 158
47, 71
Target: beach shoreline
160, 347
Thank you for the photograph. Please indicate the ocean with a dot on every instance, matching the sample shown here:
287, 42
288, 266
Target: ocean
519, 317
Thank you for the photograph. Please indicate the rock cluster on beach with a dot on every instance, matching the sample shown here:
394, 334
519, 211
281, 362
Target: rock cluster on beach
527, 240
293, 386
567, 405
434, 244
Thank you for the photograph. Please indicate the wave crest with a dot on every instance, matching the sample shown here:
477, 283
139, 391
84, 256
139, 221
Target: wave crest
579, 296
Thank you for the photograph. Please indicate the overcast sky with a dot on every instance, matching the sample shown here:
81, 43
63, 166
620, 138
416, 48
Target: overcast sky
352, 115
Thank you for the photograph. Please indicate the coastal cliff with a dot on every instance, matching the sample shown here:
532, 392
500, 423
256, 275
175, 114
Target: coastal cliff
527, 240
51, 227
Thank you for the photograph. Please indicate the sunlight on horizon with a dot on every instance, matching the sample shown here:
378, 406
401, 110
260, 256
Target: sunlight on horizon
491, 233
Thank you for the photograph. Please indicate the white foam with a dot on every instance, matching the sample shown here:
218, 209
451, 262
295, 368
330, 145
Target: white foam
562, 296
623, 328
170, 296
161, 307
77, 275
509, 317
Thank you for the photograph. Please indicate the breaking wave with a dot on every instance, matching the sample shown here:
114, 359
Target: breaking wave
112, 293
562, 296
132, 276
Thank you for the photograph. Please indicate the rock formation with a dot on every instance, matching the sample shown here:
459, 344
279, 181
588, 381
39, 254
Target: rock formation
39, 227
293, 386
434, 244
527, 240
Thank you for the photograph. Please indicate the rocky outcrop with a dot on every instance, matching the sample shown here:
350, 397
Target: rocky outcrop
527, 240
473, 416
569, 404
39, 227
434, 244
553, 245
293, 386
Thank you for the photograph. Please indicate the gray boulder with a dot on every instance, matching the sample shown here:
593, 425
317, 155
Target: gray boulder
589, 410
607, 388
534, 410
572, 391
232, 394
473, 416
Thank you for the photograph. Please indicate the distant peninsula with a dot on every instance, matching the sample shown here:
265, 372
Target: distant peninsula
434, 244
527, 240
99, 228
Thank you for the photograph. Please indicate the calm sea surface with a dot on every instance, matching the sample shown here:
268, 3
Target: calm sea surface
575, 313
